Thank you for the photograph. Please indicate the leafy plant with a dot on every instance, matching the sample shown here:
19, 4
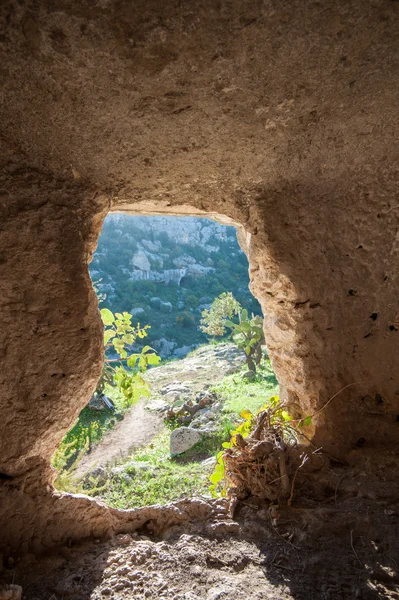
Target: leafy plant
214, 320
119, 334
248, 336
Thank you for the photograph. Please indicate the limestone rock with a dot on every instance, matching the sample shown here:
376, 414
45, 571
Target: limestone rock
175, 388
196, 270
137, 311
315, 197
180, 352
140, 261
182, 439
166, 307
152, 246
209, 462
96, 477
96, 403
249, 375
155, 301
164, 347
128, 470
158, 406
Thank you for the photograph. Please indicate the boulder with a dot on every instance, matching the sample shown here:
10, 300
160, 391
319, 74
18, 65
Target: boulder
181, 352
182, 439
96, 477
155, 301
140, 261
95, 403
166, 307
130, 469
175, 387
158, 406
209, 462
134, 466
164, 347
249, 375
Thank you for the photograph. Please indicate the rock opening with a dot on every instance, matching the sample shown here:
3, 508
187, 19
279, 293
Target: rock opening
283, 122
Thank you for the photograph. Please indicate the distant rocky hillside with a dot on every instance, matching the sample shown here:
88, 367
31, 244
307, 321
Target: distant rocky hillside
165, 271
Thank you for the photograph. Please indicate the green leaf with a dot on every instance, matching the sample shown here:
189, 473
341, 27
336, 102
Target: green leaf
147, 349
228, 323
132, 360
153, 359
107, 316
307, 421
108, 335
244, 315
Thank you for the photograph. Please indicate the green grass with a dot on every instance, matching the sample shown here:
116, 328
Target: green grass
239, 394
89, 429
168, 478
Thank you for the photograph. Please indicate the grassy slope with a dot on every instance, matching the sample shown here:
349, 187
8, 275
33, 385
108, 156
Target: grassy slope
168, 478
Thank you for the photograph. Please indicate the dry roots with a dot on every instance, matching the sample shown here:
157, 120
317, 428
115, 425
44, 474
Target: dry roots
261, 464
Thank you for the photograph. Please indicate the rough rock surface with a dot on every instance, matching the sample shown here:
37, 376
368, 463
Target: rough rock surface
342, 548
280, 118
182, 439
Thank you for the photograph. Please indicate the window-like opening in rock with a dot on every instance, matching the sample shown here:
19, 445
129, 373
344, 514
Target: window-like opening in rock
185, 361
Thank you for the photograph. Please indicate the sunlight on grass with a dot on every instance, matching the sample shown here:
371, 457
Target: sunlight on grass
150, 475
162, 478
239, 394
89, 429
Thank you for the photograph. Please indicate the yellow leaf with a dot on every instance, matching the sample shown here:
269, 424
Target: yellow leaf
246, 414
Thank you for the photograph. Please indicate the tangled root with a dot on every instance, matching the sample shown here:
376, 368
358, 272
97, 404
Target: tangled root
263, 464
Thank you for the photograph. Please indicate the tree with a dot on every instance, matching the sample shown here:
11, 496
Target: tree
248, 336
224, 307
125, 371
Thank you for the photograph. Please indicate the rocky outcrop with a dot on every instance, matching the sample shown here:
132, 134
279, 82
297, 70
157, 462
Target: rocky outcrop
167, 276
141, 262
184, 231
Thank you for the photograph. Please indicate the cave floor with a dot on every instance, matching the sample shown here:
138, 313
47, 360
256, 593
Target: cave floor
336, 542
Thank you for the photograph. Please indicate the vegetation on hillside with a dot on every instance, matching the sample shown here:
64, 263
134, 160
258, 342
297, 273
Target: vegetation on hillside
151, 475
247, 333
198, 310
121, 381
112, 269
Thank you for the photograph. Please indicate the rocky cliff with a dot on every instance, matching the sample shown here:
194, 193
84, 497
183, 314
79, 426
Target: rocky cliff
165, 271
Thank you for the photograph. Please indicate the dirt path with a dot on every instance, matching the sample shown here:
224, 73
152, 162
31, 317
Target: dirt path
137, 429
139, 426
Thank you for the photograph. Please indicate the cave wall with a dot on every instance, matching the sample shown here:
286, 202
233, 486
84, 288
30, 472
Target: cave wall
281, 120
